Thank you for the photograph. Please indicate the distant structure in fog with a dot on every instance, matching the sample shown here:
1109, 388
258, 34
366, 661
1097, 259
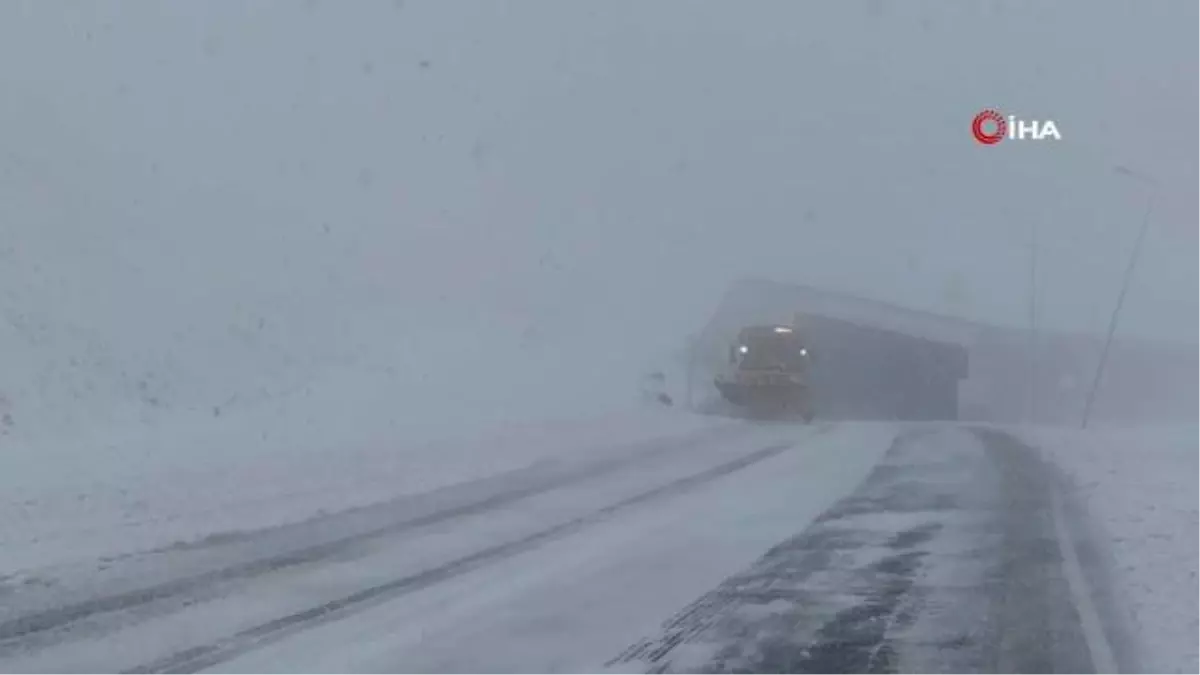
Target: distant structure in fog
1145, 380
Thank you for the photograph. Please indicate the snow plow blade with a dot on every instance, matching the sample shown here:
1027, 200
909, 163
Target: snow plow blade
773, 400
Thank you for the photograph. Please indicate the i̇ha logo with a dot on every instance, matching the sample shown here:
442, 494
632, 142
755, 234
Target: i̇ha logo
990, 127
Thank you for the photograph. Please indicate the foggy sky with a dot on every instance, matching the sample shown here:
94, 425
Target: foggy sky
625, 160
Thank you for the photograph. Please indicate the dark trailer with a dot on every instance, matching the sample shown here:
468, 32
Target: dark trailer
863, 372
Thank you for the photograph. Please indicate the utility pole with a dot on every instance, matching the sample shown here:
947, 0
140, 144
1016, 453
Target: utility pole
691, 366
1112, 322
1033, 342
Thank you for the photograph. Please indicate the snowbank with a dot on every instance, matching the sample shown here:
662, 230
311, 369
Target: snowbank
1140, 487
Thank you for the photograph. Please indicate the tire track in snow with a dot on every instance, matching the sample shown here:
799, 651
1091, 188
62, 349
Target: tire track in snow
206, 656
41, 628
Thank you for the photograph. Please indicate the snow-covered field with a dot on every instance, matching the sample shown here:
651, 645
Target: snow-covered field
1139, 487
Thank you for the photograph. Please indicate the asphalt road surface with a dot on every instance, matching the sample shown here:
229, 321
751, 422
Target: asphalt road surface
955, 555
762, 548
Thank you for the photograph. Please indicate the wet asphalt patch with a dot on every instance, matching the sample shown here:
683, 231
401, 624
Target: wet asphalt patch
945, 559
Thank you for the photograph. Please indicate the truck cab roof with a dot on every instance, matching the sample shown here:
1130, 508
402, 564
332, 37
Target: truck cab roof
768, 331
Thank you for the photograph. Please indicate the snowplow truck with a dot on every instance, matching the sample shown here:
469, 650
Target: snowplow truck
767, 373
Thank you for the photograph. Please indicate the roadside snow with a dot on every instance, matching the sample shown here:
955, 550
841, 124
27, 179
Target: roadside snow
1140, 486
154, 486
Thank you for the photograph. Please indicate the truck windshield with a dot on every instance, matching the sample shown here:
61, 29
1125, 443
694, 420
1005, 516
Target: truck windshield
772, 352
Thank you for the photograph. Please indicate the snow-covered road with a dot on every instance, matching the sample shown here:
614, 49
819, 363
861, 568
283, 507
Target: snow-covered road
769, 547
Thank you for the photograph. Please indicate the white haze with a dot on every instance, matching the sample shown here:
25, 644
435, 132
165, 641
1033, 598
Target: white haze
445, 213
